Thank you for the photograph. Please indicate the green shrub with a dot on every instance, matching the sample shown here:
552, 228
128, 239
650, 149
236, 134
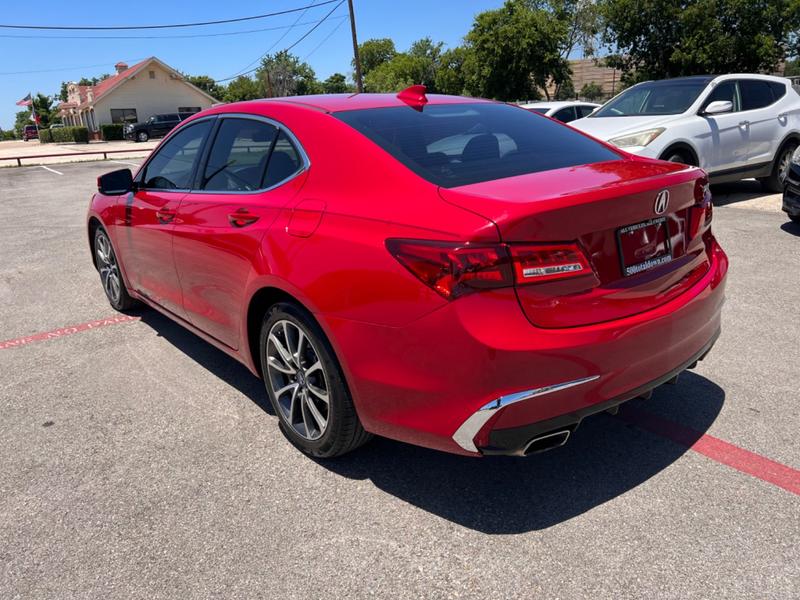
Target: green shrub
45, 136
70, 134
112, 132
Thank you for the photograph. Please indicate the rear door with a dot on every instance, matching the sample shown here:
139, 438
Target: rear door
250, 174
766, 129
150, 212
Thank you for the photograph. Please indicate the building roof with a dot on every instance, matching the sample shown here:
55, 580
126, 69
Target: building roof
109, 83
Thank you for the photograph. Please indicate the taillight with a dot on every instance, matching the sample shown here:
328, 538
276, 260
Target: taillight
454, 270
544, 262
703, 211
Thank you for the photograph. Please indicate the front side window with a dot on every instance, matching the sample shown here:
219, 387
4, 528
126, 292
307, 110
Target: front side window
755, 94
654, 98
725, 91
239, 156
460, 144
586, 110
172, 166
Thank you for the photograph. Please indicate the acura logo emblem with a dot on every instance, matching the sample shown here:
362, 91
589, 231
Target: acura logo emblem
662, 201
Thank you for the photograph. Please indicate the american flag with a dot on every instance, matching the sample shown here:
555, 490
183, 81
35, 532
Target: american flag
26, 101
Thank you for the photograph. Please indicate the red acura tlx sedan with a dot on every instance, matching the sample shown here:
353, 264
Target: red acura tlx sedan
456, 273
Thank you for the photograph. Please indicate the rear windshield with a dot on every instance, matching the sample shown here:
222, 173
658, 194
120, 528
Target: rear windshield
460, 144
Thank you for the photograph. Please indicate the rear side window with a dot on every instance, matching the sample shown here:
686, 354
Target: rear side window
238, 159
778, 89
565, 115
755, 94
172, 166
585, 111
284, 161
461, 144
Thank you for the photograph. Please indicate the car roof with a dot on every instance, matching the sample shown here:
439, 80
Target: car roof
341, 102
557, 104
710, 78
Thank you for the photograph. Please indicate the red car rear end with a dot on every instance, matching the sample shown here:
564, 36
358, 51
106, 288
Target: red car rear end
483, 278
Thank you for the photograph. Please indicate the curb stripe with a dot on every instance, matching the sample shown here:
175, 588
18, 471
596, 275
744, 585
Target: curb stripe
723, 452
64, 331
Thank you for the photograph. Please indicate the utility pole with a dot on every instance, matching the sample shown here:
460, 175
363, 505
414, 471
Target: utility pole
356, 59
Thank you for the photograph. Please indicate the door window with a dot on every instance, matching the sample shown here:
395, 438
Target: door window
586, 110
284, 161
755, 94
725, 91
565, 115
778, 89
172, 166
239, 156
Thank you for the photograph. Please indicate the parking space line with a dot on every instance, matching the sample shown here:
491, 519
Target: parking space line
723, 452
122, 162
51, 170
64, 331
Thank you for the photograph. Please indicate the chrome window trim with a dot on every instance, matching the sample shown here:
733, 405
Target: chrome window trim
304, 159
465, 434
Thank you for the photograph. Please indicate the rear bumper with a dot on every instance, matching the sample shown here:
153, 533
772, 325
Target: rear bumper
422, 382
791, 193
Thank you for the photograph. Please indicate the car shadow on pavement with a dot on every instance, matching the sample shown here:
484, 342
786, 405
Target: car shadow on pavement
791, 227
606, 457
737, 191
216, 361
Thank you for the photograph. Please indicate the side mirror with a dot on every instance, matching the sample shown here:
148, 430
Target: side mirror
115, 183
718, 107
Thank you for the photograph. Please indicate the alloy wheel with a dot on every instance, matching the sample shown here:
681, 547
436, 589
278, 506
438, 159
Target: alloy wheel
109, 270
298, 380
783, 166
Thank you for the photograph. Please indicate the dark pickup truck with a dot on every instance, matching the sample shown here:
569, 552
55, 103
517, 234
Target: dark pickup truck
155, 126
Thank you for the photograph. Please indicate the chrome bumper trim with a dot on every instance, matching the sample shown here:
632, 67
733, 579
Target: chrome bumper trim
465, 434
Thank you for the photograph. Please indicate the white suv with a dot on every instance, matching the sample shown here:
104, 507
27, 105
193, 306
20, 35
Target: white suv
733, 126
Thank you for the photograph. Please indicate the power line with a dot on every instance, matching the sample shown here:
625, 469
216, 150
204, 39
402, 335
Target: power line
158, 37
135, 60
327, 37
243, 69
304, 36
170, 26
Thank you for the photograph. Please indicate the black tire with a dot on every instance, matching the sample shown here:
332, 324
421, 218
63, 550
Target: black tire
342, 432
108, 267
774, 183
795, 218
142, 136
677, 156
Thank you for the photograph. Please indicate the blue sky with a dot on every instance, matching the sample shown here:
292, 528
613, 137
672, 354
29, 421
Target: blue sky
39, 65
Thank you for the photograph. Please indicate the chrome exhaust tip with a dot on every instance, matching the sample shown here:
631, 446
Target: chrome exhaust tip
546, 442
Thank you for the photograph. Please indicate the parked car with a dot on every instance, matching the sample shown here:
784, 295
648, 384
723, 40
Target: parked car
733, 126
479, 302
154, 127
791, 192
564, 111
30, 132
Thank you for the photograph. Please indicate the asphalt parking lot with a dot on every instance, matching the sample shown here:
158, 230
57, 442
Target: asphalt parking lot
138, 462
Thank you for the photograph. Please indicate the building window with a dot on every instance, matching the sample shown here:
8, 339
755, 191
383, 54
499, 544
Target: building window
123, 115
152, 74
189, 109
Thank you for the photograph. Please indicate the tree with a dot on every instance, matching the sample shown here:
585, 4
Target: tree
207, 84
419, 65
63, 95
450, 74
375, 52
22, 118
566, 91
336, 84
515, 51
242, 88
284, 74
591, 91
668, 38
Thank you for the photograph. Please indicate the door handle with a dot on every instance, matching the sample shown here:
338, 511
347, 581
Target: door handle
165, 215
744, 124
783, 115
242, 218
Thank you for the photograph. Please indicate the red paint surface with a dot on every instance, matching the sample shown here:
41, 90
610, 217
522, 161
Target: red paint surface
418, 365
723, 452
65, 331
